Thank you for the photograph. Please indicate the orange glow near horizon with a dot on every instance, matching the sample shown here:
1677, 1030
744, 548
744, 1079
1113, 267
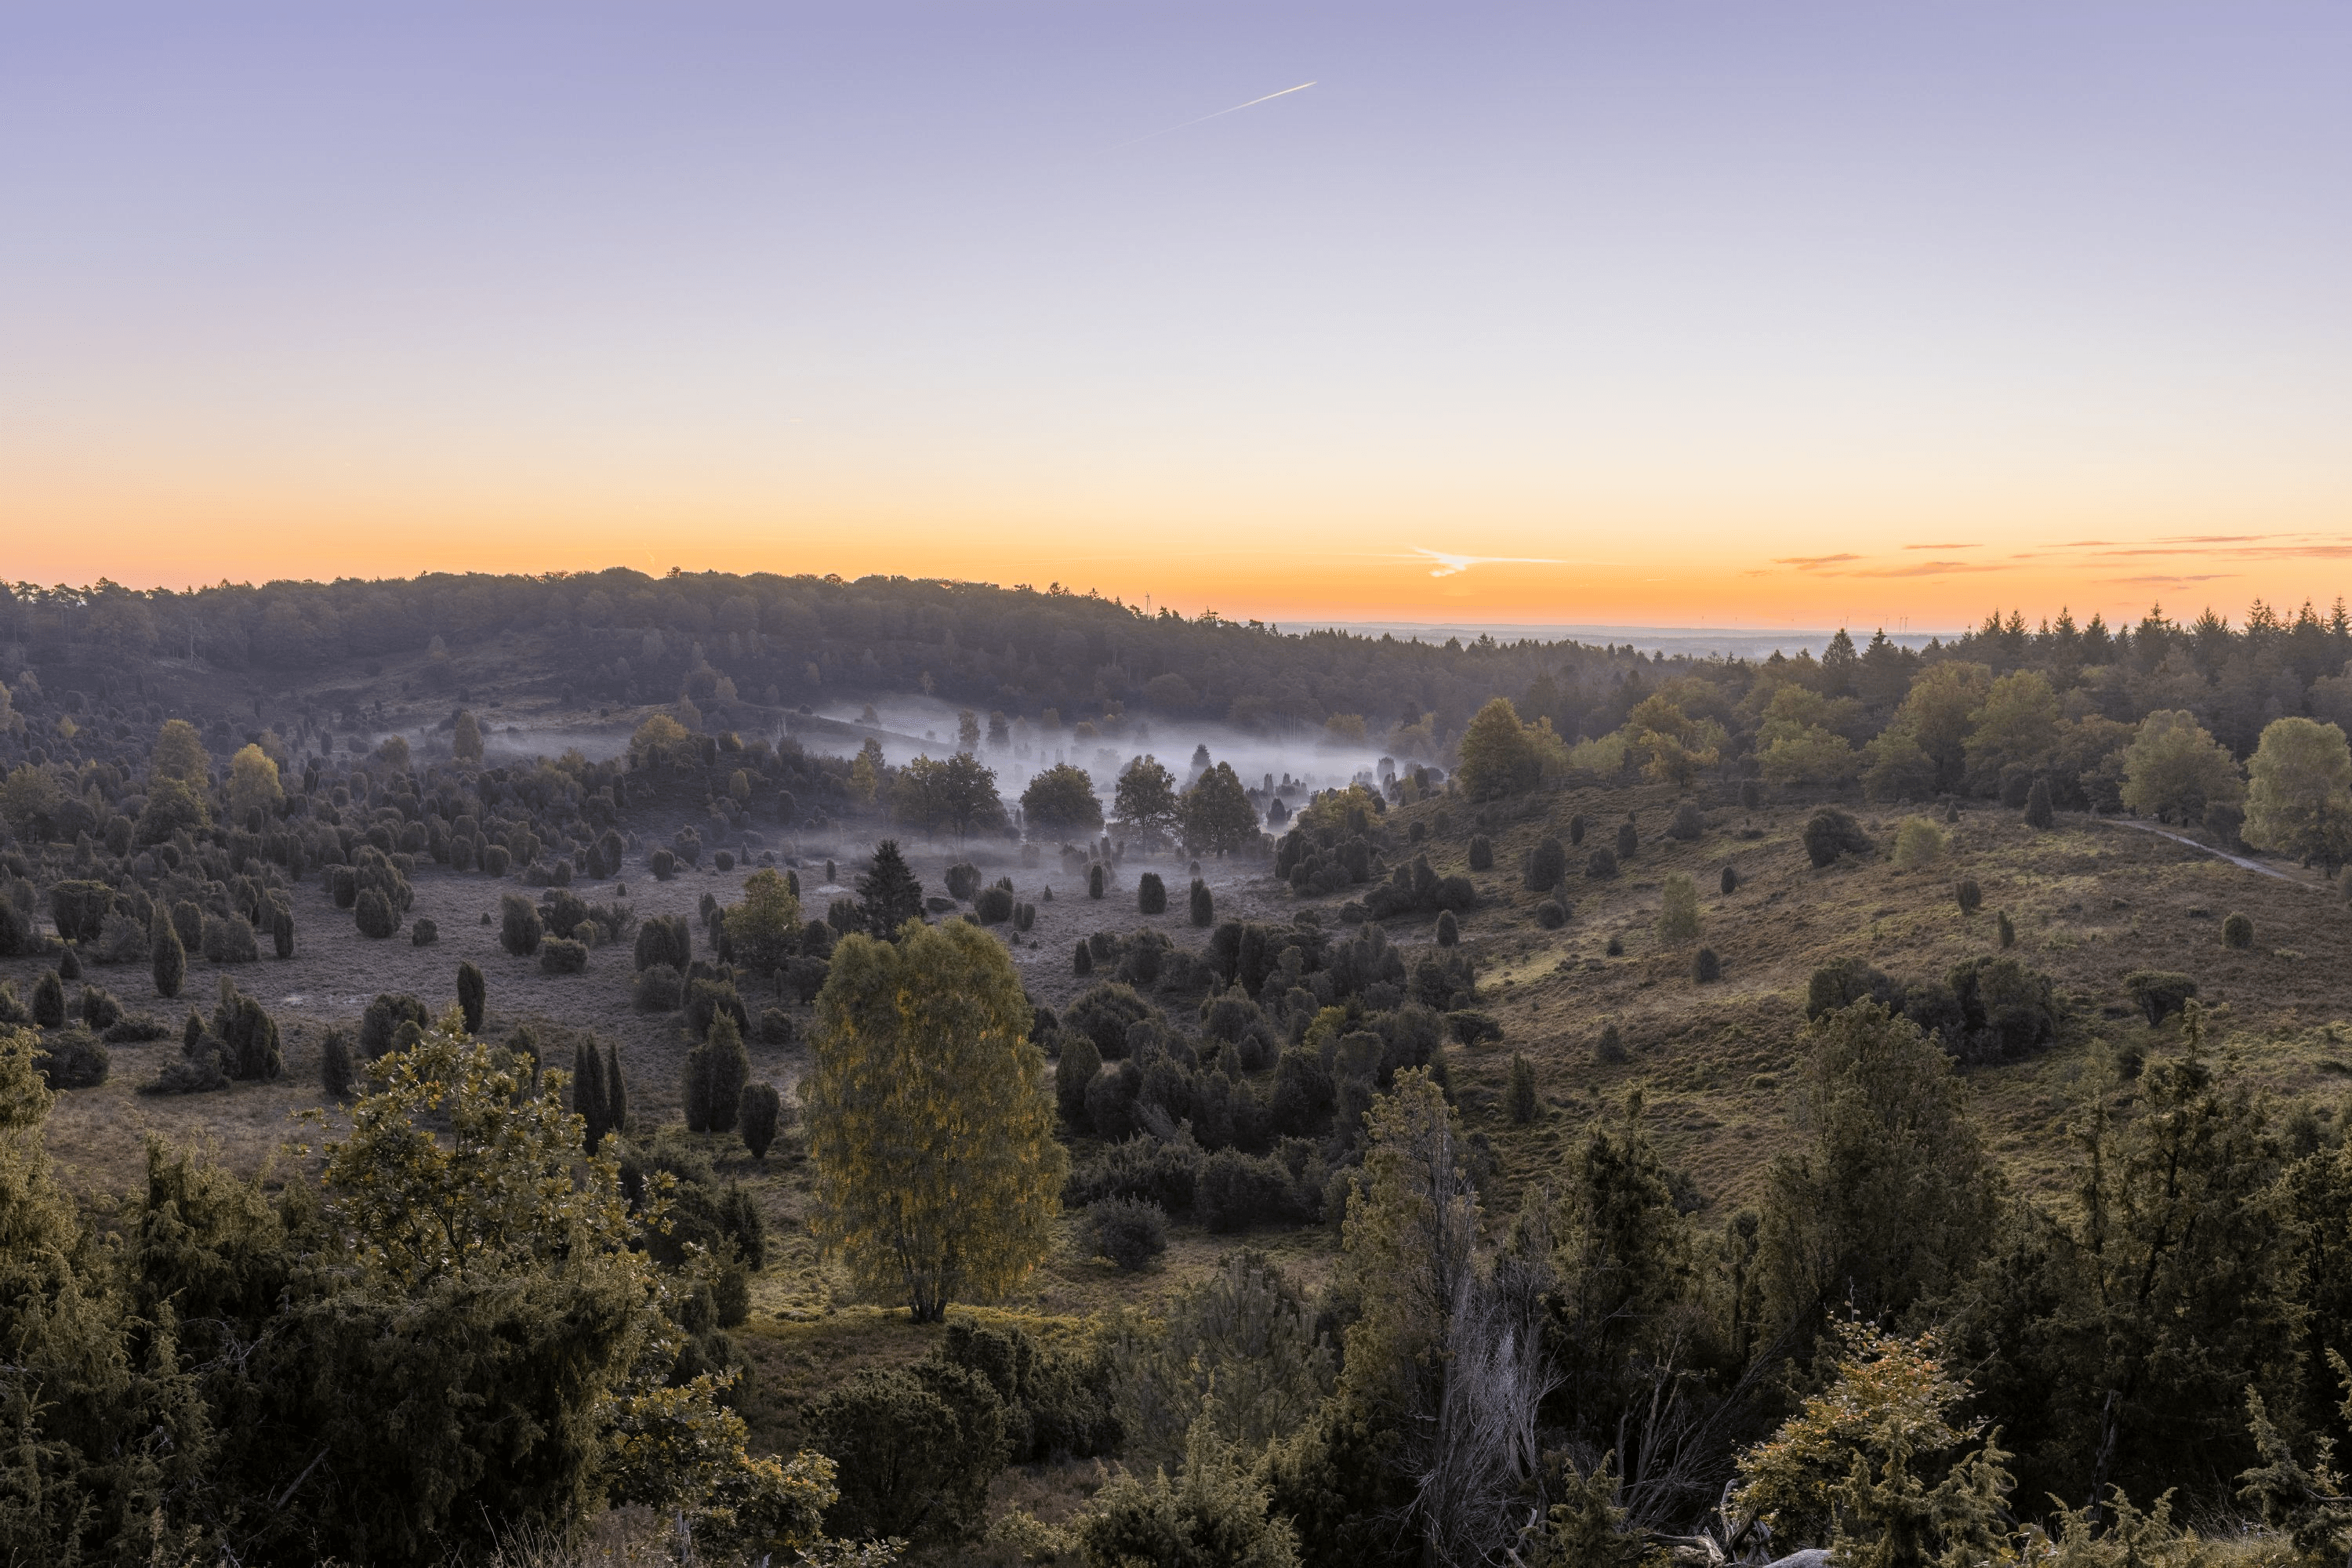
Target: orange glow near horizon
1290, 559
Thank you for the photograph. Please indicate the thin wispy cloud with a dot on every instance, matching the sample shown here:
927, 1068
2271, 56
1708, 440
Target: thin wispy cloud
1925, 569
1451, 565
1943, 547
1220, 114
1812, 562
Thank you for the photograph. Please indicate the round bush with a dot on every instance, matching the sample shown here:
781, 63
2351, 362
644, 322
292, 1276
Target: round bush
1449, 930
662, 863
1730, 881
1970, 896
1482, 853
423, 934
776, 1027
658, 989
374, 915
1150, 894
562, 955
1550, 914
495, 860
2238, 932
1600, 865
1130, 1231
724, 860
994, 906
73, 1058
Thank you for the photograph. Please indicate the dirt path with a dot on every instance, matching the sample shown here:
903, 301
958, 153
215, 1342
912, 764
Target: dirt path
2255, 866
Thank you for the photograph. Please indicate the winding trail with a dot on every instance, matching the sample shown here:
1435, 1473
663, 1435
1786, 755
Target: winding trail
2255, 866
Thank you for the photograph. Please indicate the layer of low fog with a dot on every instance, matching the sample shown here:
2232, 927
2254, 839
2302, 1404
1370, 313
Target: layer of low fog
909, 727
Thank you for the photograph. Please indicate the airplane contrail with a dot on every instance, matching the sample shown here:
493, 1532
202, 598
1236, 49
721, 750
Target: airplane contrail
1236, 109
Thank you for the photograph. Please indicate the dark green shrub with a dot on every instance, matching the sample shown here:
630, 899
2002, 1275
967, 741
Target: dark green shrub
423, 933
281, 929
1074, 1074
1547, 866
1751, 794
1688, 826
716, 1072
1829, 833
759, 1114
1095, 880
1083, 961
1970, 896
1730, 881
1150, 894
1203, 907
1237, 1192
2037, 805
520, 931
1551, 914
338, 1073
1521, 1097
658, 989
1576, 830
188, 921
1471, 1028
804, 976
342, 887
662, 863
1025, 916
1616, 948
72, 1059
2238, 932
229, 940
50, 1001
708, 1000
776, 1027
1627, 841
2159, 993
915, 1448
379, 1024
994, 906
100, 1010
1449, 930
963, 881
2007, 928
1706, 968
1104, 1012
1130, 1231
1609, 1049
1482, 853
473, 993
1602, 864
562, 955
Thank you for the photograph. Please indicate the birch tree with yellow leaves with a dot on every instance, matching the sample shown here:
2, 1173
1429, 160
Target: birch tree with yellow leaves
930, 1120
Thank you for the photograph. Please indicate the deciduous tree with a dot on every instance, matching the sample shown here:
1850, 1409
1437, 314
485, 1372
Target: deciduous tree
930, 1123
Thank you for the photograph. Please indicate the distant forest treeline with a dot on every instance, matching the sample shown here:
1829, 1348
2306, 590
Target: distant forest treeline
627, 637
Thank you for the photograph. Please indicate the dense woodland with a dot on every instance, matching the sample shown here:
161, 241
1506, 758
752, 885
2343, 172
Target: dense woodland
493, 1294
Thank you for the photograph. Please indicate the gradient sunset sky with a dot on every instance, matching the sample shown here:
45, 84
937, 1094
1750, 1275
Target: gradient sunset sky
1725, 315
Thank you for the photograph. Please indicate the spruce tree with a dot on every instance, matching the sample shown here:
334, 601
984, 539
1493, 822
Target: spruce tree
889, 893
170, 959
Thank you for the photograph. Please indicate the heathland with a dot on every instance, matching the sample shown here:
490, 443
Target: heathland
784, 1067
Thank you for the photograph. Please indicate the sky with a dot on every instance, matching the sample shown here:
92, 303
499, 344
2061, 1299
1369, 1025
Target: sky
1678, 315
